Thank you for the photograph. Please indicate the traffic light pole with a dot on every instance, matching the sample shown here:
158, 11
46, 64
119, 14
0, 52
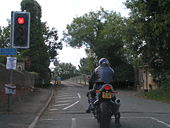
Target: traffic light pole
11, 83
9, 95
20, 32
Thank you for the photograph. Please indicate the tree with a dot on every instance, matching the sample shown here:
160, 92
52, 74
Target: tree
5, 37
4, 40
103, 33
100, 31
51, 40
151, 20
37, 54
66, 70
43, 42
87, 65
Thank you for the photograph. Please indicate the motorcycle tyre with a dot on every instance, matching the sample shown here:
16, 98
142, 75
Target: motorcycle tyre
105, 115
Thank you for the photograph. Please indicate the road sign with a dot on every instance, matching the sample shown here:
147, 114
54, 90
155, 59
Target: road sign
11, 63
8, 51
9, 89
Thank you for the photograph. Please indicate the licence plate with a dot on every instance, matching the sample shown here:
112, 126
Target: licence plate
106, 95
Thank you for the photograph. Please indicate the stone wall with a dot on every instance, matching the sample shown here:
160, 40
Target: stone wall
24, 82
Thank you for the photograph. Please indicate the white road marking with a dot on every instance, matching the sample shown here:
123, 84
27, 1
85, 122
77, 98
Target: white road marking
60, 96
89, 118
57, 119
62, 101
153, 118
131, 117
73, 125
66, 93
79, 95
54, 109
159, 121
60, 105
65, 98
71, 105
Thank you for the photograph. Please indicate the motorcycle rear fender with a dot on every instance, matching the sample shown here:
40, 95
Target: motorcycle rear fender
108, 85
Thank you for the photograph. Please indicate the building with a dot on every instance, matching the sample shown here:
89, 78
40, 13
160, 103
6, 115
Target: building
146, 81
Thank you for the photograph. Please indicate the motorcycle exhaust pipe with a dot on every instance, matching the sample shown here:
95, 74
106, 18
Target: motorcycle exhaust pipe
117, 101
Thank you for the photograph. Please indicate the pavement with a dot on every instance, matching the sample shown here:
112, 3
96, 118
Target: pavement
25, 112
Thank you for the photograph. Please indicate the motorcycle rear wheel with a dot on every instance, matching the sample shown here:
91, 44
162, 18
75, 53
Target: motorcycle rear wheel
105, 115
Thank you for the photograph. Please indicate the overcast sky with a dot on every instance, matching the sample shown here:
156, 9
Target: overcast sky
59, 13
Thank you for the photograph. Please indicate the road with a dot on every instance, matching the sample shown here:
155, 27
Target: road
70, 102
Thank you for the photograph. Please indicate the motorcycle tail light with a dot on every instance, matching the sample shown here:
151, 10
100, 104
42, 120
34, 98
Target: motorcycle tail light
107, 87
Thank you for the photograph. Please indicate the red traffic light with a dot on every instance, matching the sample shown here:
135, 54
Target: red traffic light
20, 30
20, 20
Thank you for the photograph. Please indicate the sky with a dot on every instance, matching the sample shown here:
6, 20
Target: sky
59, 13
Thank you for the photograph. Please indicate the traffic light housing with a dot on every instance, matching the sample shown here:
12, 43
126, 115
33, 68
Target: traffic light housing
20, 31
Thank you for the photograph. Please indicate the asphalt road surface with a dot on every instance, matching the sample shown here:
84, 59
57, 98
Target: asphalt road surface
70, 102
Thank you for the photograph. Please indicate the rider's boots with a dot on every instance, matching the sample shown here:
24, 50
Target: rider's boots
88, 110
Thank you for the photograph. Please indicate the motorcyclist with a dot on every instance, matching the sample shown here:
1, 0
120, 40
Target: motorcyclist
103, 74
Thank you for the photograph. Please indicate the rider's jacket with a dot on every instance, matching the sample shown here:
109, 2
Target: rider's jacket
102, 74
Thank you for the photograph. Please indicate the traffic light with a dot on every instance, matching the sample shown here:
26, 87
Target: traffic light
20, 31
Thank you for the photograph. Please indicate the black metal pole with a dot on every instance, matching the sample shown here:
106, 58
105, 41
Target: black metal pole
9, 102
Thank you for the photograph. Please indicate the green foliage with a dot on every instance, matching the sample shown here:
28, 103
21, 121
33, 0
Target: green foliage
37, 53
66, 70
133, 43
43, 42
4, 40
5, 36
124, 72
103, 33
151, 20
87, 65
50, 38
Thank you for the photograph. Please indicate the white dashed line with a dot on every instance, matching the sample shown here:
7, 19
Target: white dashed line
79, 95
73, 125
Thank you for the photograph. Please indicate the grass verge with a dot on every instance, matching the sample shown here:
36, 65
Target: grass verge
159, 94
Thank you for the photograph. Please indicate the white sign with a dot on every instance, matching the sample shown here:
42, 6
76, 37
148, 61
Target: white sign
10, 89
11, 63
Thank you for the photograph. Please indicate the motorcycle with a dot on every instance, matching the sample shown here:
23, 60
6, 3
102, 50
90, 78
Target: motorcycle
106, 105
